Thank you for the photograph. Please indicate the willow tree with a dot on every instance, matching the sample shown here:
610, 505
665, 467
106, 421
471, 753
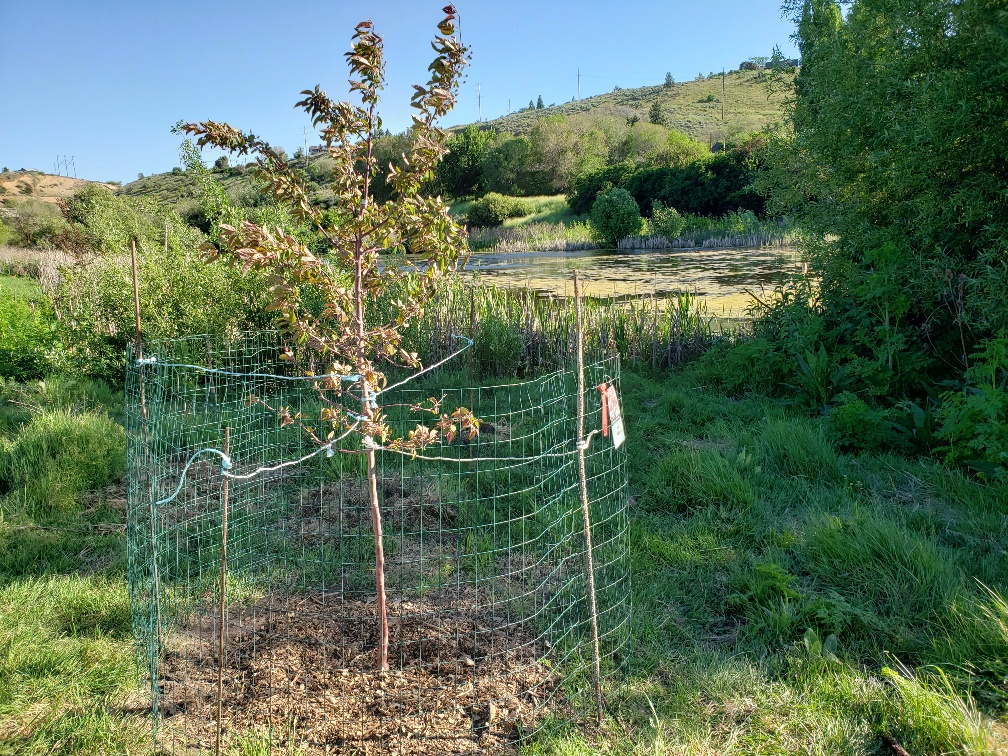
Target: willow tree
338, 346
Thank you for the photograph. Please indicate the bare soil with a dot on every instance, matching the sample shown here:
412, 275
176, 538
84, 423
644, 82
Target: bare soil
299, 675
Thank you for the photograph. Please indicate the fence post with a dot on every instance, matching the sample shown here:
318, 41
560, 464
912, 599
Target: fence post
155, 578
223, 597
583, 484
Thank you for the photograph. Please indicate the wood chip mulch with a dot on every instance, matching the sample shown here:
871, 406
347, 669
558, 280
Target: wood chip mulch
299, 674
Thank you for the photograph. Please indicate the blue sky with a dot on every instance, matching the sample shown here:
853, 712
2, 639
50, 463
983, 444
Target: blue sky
105, 81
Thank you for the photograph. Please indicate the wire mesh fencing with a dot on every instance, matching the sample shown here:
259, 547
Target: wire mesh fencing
252, 560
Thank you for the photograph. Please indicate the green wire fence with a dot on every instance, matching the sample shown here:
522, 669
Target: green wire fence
484, 544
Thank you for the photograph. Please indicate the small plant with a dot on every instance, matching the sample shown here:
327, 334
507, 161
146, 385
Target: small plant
323, 303
615, 215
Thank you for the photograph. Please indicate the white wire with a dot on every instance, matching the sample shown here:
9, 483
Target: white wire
226, 464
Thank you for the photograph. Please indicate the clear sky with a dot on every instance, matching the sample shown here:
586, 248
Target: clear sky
105, 80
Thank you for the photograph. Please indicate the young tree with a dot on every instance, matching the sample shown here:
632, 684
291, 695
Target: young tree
532, 104
338, 343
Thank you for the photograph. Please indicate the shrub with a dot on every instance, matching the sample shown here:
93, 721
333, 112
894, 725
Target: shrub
493, 209
615, 215
59, 456
27, 338
585, 187
180, 295
752, 366
974, 421
666, 221
855, 426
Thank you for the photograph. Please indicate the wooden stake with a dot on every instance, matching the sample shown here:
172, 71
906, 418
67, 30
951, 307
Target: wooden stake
583, 484
223, 597
146, 439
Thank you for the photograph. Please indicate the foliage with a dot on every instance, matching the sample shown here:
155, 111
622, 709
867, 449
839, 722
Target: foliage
27, 337
493, 209
108, 222
655, 114
974, 420
585, 187
897, 165
666, 221
179, 296
460, 173
615, 215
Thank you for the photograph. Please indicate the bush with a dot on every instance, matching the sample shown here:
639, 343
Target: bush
974, 421
857, 427
666, 221
180, 295
615, 216
752, 366
493, 209
59, 456
27, 338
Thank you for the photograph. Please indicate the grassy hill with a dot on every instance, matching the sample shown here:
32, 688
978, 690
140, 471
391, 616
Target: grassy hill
693, 107
18, 186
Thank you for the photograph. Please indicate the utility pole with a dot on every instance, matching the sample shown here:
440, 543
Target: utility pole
304, 131
579, 83
509, 106
479, 102
73, 165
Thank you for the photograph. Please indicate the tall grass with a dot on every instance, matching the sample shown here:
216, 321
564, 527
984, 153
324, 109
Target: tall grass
518, 331
41, 264
546, 237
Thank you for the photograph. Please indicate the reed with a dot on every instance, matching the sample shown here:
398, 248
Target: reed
41, 264
521, 331
767, 238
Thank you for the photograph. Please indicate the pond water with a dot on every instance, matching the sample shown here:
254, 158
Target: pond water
719, 277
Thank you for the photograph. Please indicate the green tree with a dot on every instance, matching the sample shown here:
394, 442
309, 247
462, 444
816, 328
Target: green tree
221, 163
900, 117
656, 115
669, 81
615, 216
460, 174
539, 103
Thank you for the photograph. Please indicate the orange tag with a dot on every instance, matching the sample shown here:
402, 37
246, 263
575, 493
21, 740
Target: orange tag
605, 410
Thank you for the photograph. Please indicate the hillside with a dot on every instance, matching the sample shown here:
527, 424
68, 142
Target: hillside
693, 107
17, 186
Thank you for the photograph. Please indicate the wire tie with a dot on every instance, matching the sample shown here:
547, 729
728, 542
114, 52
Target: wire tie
225, 462
329, 450
146, 360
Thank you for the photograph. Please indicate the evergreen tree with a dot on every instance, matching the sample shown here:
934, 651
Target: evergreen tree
655, 115
669, 81
539, 103
532, 104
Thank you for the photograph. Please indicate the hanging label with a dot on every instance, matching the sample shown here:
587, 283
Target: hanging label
605, 410
615, 418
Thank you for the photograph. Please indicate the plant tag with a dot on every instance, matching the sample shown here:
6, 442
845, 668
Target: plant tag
615, 418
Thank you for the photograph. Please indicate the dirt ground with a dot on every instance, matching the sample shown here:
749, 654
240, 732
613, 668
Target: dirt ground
299, 677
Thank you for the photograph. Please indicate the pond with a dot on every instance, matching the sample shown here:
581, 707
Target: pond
719, 277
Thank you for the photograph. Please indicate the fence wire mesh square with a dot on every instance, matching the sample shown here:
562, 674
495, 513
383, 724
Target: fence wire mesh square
488, 611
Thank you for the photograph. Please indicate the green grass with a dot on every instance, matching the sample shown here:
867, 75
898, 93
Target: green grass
788, 598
